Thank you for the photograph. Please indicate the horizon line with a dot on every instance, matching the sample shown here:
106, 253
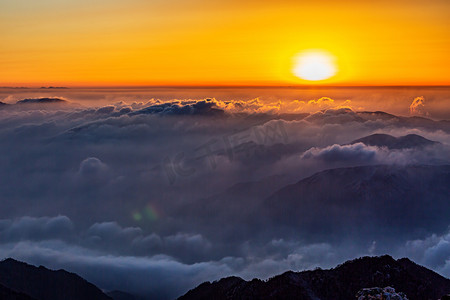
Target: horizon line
59, 87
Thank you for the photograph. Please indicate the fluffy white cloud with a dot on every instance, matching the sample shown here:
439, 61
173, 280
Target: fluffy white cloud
432, 251
355, 152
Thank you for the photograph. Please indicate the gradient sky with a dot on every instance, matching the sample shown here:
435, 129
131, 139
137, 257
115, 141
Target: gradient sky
199, 42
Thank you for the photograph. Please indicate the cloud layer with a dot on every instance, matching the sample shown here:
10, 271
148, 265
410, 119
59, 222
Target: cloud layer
161, 195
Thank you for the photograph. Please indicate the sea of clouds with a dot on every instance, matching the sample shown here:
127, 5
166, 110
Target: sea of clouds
123, 192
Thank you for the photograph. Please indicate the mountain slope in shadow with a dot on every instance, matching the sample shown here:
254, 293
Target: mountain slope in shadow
380, 201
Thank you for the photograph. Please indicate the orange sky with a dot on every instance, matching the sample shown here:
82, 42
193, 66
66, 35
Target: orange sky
212, 42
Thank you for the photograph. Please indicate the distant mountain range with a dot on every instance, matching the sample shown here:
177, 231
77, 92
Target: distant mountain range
413, 121
391, 142
340, 283
42, 101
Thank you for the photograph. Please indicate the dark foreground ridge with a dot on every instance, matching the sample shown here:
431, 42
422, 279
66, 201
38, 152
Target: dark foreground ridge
340, 283
21, 281
9, 294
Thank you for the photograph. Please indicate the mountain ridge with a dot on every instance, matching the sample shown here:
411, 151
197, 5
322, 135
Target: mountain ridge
339, 283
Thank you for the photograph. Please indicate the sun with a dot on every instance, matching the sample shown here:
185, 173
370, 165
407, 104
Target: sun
314, 65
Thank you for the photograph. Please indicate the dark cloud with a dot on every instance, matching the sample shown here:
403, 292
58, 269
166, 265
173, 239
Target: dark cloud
35, 229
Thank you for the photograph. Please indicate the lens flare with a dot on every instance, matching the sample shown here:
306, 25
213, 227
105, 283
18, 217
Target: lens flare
148, 213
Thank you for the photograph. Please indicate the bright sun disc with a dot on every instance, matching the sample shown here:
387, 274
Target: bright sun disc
314, 66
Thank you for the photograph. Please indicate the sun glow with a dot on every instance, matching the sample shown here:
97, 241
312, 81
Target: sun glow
250, 43
314, 66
